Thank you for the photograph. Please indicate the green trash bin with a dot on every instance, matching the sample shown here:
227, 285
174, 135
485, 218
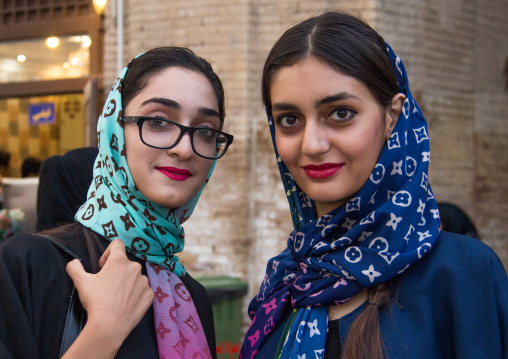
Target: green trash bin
226, 295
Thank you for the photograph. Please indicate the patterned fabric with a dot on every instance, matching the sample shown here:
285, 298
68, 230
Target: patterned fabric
12, 221
116, 209
179, 330
383, 229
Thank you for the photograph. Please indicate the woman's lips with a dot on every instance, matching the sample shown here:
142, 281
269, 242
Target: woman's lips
322, 171
178, 174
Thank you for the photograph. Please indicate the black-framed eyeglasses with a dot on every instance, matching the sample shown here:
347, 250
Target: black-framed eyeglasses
165, 134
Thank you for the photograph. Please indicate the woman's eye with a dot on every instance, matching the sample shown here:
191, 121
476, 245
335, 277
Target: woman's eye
158, 123
206, 132
287, 121
342, 114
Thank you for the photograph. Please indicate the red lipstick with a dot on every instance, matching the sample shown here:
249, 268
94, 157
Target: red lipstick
323, 170
178, 174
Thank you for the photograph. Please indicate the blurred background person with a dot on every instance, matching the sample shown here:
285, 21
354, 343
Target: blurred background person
31, 167
455, 220
63, 184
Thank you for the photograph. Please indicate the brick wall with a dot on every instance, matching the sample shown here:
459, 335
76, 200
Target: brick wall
454, 51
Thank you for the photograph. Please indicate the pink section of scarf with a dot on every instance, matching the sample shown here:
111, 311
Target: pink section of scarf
179, 330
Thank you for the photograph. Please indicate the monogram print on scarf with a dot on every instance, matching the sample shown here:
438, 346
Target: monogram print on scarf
102, 204
169, 249
117, 199
98, 181
131, 201
117, 86
110, 167
182, 292
114, 143
119, 119
109, 230
110, 108
127, 221
160, 229
170, 264
148, 215
140, 245
179, 331
89, 212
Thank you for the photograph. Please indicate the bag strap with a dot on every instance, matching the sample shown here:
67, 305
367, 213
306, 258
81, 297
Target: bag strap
76, 314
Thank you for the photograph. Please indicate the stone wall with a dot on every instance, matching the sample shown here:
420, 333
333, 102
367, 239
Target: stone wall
455, 53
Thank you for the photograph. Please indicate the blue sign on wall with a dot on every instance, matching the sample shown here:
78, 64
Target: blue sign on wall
41, 113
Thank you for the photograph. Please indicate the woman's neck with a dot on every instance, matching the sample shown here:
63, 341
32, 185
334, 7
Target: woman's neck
338, 311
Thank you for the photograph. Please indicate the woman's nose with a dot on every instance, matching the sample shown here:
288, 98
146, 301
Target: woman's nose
315, 138
183, 148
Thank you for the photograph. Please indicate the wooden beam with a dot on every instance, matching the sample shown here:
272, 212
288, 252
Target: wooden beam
42, 88
63, 27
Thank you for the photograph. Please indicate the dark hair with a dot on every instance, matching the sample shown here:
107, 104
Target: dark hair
342, 41
30, 166
354, 49
142, 68
455, 220
4, 158
81, 239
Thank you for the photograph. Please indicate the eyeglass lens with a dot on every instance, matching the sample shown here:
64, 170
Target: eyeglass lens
163, 134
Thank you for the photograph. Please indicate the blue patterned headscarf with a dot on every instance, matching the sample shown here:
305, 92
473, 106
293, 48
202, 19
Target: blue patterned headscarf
116, 209
388, 225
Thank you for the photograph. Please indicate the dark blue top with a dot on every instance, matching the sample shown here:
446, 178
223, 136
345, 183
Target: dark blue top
455, 305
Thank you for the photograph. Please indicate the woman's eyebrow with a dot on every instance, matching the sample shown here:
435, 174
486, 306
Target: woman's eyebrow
326, 100
205, 111
283, 107
163, 101
336, 97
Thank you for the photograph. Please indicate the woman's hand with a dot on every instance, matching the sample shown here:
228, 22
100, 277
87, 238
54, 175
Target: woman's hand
115, 299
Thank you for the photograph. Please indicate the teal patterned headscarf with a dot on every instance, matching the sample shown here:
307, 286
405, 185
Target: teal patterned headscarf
116, 209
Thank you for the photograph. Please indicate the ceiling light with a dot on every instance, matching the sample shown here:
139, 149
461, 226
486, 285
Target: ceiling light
52, 42
86, 41
99, 6
21, 58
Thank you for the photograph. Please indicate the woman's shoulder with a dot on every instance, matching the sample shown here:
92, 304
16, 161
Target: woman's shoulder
455, 259
26, 246
40, 248
459, 250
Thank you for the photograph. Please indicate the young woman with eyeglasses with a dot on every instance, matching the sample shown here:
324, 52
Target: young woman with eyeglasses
160, 134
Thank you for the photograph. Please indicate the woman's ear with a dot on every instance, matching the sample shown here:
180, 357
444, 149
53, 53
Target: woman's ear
393, 113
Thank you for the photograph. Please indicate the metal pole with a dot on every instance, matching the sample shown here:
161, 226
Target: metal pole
119, 35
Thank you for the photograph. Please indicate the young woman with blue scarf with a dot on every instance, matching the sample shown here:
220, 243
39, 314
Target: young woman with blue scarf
366, 272
160, 135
